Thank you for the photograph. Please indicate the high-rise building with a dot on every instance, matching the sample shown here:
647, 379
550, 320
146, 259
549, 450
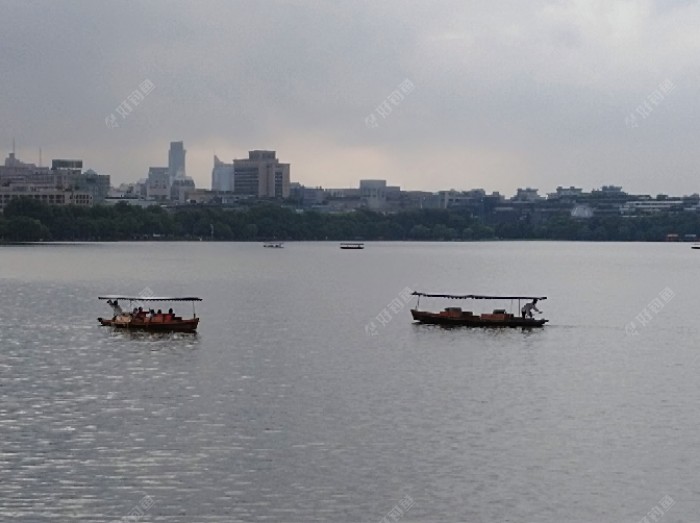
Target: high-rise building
171, 182
222, 176
176, 161
261, 175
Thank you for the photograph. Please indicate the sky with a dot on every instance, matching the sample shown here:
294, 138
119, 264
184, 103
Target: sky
502, 93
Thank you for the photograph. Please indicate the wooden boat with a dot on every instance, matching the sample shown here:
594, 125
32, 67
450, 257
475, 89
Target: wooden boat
455, 316
352, 245
142, 320
274, 245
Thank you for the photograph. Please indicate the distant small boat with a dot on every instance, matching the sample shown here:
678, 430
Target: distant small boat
455, 316
696, 246
274, 245
352, 245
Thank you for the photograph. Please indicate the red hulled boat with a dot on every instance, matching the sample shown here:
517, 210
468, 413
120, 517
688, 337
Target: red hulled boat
152, 321
455, 316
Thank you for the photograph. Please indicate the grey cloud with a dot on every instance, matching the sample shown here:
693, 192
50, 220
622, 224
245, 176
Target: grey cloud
544, 85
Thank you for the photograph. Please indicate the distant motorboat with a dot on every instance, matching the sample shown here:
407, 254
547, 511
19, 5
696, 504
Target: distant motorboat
274, 245
352, 245
696, 246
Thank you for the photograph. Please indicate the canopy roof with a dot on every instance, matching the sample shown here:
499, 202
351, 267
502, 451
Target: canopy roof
478, 297
144, 298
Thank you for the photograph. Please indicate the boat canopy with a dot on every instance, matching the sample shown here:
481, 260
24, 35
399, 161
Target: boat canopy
145, 298
477, 296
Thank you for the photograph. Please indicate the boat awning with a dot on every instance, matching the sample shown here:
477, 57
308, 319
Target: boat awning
147, 298
477, 296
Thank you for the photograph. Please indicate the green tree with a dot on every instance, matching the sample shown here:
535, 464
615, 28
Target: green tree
28, 207
25, 229
250, 231
419, 232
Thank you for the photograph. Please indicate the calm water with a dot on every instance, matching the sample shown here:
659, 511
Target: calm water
285, 407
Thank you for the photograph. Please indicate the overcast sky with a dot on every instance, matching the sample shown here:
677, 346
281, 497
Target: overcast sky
506, 94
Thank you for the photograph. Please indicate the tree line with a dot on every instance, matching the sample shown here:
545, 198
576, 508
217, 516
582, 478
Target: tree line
30, 220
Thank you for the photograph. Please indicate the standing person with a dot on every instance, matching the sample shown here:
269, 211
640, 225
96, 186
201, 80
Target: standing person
528, 308
116, 308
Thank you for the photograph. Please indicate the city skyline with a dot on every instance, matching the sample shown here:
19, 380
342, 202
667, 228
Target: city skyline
427, 95
219, 163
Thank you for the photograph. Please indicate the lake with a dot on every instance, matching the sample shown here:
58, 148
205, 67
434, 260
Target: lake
308, 394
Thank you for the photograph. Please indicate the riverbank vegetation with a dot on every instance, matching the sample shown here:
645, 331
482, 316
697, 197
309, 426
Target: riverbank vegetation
29, 220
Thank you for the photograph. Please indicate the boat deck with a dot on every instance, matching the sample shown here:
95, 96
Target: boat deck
151, 324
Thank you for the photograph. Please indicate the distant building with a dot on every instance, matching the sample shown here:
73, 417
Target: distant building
67, 166
51, 196
129, 200
131, 194
608, 200
261, 175
373, 193
610, 192
171, 182
13, 161
582, 212
181, 188
651, 206
222, 176
214, 198
141, 188
307, 196
159, 183
343, 193
69, 175
176, 161
420, 200
569, 193
16, 170
454, 198
296, 191
313, 196
97, 185
63, 184
526, 195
